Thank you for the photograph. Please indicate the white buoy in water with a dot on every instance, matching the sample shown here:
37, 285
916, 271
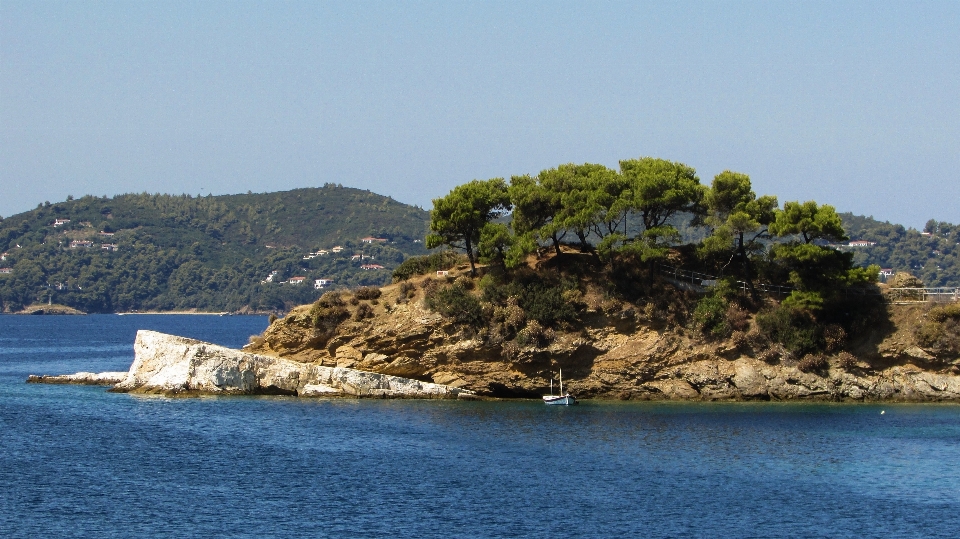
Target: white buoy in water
882, 412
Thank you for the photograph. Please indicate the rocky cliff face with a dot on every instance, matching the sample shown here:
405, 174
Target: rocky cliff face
610, 355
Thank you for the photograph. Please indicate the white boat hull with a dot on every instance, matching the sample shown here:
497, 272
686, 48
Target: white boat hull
560, 400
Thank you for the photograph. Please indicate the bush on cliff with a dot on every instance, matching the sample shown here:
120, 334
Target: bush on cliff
368, 292
941, 330
793, 327
328, 312
422, 265
457, 304
541, 300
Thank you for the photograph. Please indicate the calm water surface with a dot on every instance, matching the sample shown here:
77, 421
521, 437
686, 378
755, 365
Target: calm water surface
76, 461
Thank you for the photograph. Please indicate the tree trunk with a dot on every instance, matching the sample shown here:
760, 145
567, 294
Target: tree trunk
473, 267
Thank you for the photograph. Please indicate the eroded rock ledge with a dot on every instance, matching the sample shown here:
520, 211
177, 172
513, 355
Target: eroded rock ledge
171, 365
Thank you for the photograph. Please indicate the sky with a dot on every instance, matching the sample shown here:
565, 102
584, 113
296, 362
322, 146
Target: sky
854, 104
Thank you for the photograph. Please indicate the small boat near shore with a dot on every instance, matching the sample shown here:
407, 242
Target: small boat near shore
563, 399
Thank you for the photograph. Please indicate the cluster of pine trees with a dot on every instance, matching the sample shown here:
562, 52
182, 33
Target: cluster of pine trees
634, 213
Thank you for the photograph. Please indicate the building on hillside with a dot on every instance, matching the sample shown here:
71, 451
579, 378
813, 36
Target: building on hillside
4, 256
371, 239
297, 280
81, 244
886, 272
336, 249
371, 267
270, 277
322, 252
109, 246
107, 234
358, 256
442, 273
6, 270
60, 222
862, 243
322, 283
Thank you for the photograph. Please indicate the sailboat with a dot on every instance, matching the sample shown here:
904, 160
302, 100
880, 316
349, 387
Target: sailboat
563, 399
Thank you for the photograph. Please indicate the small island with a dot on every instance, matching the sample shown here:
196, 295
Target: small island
640, 284
585, 268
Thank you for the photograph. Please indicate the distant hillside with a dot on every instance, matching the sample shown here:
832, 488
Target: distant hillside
932, 254
145, 252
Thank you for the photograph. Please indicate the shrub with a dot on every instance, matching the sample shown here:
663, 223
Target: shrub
364, 311
834, 337
738, 318
368, 292
805, 301
354, 300
271, 319
739, 339
327, 315
770, 355
464, 282
847, 361
941, 329
510, 350
421, 265
710, 316
509, 318
794, 328
812, 363
541, 301
330, 299
534, 334
456, 303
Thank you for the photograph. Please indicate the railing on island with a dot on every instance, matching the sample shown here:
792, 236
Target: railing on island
702, 282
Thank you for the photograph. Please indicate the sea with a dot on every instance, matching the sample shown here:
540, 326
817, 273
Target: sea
77, 461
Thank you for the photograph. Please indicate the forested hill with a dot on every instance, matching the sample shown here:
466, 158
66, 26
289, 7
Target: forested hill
931, 254
146, 252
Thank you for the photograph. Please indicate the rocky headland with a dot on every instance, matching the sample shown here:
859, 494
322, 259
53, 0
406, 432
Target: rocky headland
615, 351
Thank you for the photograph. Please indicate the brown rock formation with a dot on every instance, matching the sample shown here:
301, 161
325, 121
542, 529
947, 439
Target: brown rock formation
617, 354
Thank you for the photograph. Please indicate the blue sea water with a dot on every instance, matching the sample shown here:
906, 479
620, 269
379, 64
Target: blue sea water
76, 461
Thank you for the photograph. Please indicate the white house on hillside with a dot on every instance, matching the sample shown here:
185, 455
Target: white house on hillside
322, 283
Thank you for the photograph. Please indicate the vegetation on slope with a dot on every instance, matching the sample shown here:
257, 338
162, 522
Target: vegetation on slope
748, 242
209, 253
931, 254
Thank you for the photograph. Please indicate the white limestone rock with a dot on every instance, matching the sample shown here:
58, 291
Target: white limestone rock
170, 364
80, 378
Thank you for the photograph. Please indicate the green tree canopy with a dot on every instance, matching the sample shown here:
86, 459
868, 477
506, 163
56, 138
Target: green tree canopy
809, 221
662, 189
458, 218
738, 218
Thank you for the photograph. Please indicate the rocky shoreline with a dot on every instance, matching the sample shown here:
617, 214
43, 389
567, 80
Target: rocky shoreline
613, 354
643, 365
170, 365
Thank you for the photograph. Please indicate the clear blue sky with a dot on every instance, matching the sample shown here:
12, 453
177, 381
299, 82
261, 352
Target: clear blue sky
856, 104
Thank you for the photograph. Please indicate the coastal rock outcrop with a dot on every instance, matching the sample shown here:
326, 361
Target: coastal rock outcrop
608, 355
80, 378
167, 364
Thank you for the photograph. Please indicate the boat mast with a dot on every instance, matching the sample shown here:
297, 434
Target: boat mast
561, 381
